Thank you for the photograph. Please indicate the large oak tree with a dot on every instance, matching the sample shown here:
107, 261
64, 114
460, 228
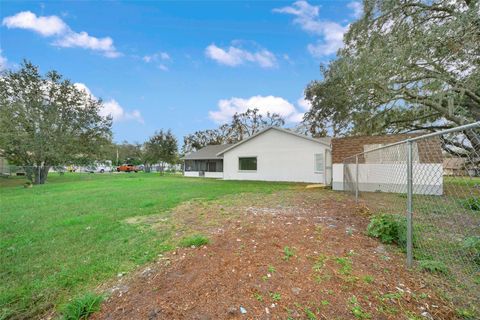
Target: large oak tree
47, 121
407, 65
242, 125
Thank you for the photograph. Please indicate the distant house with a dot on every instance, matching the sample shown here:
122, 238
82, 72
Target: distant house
385, 169
454, 166
273, 154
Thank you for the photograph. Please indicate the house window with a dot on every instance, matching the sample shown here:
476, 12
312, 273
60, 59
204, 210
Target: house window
247, 164
319, 165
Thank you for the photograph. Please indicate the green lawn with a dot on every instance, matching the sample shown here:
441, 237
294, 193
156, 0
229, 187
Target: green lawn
63, 238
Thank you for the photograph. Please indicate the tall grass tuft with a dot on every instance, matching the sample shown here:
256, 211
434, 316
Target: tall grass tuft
82, 307
195, 241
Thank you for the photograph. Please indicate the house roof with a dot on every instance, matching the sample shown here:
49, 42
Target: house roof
323, 142
207, 152
429, 150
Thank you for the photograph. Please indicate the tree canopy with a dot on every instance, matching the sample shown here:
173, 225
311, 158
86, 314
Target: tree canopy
242, 126
47, 121
407, 65
161, 148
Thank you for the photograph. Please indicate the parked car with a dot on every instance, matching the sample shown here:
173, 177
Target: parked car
71, 168
128, 168
98, 169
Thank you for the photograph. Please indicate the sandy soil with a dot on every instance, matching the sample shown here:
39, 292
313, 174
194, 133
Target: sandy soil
331, 269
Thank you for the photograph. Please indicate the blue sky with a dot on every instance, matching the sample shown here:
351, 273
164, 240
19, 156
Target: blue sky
181, 65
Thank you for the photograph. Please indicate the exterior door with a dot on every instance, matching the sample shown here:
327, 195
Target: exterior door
211, 167
328, 167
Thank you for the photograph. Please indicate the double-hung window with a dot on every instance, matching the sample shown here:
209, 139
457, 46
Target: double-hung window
319, 163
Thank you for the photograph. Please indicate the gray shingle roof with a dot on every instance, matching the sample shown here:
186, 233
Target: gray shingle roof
208, 152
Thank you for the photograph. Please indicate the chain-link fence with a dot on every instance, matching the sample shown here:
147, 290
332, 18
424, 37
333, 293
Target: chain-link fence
431, 184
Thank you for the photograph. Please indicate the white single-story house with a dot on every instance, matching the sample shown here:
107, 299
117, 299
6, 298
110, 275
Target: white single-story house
277, 154
273, 154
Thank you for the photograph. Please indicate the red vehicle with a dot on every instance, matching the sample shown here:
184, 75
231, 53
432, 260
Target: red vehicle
127, 168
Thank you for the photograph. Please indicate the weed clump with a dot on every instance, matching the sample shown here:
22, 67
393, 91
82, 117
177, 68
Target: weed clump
433, 266
472, 203
82, 307
288, 253
389, 229
471, 246
194, 241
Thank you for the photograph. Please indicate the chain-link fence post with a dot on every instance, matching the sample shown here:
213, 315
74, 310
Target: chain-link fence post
409, 203
356, 179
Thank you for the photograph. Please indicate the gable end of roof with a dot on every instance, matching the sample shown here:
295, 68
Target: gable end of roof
272, 128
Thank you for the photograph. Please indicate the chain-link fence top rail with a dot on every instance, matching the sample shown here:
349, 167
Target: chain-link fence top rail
445, 200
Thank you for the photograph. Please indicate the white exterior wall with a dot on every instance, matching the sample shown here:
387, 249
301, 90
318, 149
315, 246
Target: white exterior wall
216, 175
280, 156
427, 177
191, 174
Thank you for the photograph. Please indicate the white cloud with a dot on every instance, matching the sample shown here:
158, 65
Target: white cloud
304, 104
53, 26
113, 108
330, 33
46, 26
84, 40
235, 56
228, 107
305, 14
160, 58
162, 67
83, 87
164, 56
331, 42
3, 61
357, 9
156, 57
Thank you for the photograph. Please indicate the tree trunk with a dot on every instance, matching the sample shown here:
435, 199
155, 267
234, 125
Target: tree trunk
40, 174
147, 168
29, 172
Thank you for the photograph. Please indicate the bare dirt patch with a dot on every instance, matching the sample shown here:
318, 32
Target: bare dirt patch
295, 254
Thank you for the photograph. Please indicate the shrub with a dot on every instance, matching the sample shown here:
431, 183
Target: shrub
472, 203
433, 266
389, 228
472, 247
82, 307
195, 240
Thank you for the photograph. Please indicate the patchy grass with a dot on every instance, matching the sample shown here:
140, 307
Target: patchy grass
357, 310
276, 296
433, 266
288, 253
194, 241
69, 235
345, 265
368, 279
